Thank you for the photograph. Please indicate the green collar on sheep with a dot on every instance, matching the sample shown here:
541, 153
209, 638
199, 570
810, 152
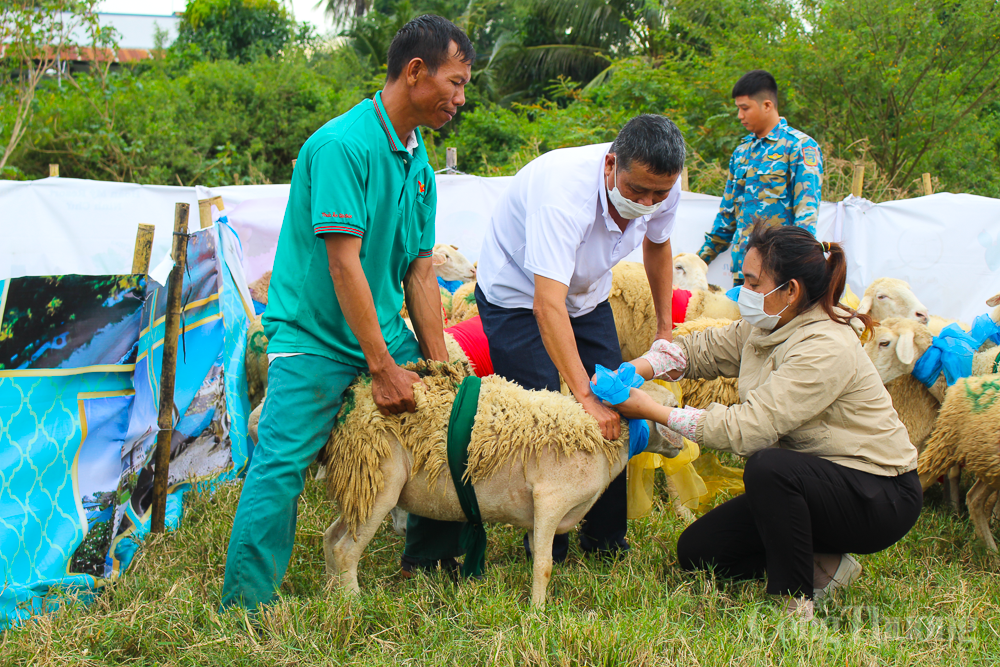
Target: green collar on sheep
463, 417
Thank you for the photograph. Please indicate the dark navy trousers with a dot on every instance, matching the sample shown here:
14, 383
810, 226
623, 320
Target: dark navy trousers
518, 354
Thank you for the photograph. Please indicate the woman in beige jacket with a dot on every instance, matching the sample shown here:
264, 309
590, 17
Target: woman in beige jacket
830, 468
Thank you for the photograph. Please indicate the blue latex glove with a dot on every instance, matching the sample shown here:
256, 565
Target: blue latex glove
734, 293
614, 387
950, 352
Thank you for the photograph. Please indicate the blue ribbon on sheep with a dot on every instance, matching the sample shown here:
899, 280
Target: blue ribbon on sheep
950, 351
983, 329
614, 387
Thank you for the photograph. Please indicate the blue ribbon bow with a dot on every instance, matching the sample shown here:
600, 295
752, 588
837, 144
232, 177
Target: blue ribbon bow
614, 387
450, 285
951, 351
983, 329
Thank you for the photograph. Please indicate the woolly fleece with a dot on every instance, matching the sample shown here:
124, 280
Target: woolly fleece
511, 423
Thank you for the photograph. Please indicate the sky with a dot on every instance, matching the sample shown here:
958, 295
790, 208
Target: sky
304, 9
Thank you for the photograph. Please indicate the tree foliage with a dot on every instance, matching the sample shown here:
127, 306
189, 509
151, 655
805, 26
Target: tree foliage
903, 86
242, 30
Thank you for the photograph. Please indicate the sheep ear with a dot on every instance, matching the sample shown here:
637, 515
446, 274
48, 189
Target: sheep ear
993, 301
904, 347
437, 259
866, 305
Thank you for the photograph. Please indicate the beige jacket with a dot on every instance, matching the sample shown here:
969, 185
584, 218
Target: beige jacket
808, 386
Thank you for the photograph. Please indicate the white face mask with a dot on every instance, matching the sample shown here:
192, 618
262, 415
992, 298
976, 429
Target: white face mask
752, 308
627, 208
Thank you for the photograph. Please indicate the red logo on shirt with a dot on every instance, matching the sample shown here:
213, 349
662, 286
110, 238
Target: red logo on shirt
421, 187
336, 215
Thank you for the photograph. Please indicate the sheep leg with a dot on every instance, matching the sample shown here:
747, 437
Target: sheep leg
550, 508
541, 557
332, 535
320, 472
343, 551
683, 513
953, 488
399, 516
981, 499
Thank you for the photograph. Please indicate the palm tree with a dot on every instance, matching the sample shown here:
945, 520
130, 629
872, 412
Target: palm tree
340, 11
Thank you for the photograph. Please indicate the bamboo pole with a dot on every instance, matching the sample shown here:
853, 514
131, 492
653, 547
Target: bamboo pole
451, 159
294, 160
205, 210
685, 183
858, 183
928, 188
143, 249
53, 171
168, 370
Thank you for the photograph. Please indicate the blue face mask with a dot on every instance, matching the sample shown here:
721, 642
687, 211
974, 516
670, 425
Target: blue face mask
752, 308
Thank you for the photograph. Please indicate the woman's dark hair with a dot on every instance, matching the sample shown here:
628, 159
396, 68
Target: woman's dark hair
429, 38
792, 253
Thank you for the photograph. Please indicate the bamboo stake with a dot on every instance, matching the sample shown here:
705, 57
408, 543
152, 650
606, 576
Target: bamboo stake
143, 249
928, 188
294, 160
685, 183
858, 183
53, 171
205, 210
168, 370
451, 159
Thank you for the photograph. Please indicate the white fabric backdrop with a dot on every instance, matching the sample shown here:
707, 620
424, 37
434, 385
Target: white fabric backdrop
946, 246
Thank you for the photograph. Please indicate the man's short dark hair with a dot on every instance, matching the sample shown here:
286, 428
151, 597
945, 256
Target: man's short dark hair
653, 141
429, 38
757, 84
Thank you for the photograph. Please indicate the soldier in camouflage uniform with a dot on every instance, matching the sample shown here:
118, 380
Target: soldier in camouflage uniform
776, 173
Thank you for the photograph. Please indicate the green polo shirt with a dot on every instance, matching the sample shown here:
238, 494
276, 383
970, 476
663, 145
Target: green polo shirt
353, 176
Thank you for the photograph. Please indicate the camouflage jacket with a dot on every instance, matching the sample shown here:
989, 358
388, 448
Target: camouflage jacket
778, 178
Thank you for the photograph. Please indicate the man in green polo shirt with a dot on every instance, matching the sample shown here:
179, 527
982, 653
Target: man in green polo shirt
359, 222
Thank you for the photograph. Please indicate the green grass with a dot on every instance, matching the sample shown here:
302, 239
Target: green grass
934, 598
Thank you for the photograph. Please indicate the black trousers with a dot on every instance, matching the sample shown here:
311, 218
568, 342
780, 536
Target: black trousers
796, 505
518, 354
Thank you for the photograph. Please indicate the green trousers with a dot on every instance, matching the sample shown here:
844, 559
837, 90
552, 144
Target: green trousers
304, 394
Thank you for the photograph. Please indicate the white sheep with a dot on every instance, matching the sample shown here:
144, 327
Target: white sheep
891, 297
536, 460
690, 272
635, 318
895, 347
450, 264
966, 433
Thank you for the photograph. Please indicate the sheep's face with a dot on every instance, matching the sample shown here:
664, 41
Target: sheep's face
896, 345
994, 303
690, 272
890, 297
450, 264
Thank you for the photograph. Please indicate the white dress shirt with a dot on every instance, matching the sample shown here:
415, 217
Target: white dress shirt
553, 221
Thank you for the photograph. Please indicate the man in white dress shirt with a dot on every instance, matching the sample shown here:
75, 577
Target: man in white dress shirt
545, 274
